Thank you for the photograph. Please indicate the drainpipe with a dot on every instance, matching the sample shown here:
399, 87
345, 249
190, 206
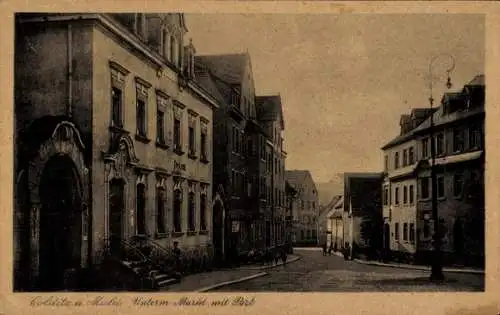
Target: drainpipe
70, 72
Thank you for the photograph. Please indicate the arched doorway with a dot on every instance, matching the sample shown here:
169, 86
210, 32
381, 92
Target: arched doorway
218, 230
60, 222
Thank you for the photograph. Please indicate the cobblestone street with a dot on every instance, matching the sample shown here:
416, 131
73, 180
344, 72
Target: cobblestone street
314, 272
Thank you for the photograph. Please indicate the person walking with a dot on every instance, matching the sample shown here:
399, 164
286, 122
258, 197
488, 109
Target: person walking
324, 249
283, 257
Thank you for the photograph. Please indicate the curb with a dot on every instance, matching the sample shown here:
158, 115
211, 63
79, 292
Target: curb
479, 272
222, 284
294, 259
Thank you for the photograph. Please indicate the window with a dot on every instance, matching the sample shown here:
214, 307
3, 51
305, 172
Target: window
405, 158
192, 212
173, 50
314, 233
117, 107
396, 160
396, 231
386, 196
440, 187
166, 46
160, 210
203, 145
424, 188
235, 98
141, 118
440, 144
203, 212
177, 210
396, 196
405, 195
412, 233
425, 148
405, 231
140, 209
474, 137
411, 193
411, 156
457, 185
192, 147
177, 134
458, 140
160, 126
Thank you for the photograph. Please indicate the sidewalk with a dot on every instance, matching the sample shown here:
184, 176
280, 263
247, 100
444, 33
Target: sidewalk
416, 267
202, 282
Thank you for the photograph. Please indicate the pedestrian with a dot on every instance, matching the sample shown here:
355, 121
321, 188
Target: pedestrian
283, 256
330, 249
276, 257
324, 249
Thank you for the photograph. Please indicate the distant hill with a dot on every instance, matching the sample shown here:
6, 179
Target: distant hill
326, 191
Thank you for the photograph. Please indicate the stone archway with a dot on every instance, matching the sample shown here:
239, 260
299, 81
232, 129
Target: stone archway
119, 163
59, 158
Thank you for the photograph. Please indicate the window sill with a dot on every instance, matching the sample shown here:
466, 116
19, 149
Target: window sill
141, 236
177, 234
178, 151
162, 145
441, 198
118, 129
204, 160
459, 197
424, 199
191, 233
203, 232
192, 156
142, 138
159, 235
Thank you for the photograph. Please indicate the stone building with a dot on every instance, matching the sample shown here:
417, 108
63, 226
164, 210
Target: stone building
459, 167
113, 141
248, 155
305, 208
399, 189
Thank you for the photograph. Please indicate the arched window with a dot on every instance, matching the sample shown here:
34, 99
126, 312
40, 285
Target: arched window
203, 212
173, 50
192, 212
177, 211
160, 210
166, 45
141, 209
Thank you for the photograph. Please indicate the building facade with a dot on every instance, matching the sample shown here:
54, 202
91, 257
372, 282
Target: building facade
249, 155
115, 145
399, 189
305, 208
362, 215
459, 166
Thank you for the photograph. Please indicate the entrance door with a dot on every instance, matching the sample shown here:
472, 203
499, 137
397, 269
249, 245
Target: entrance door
387, 240
116, 208
60, 223
218, 228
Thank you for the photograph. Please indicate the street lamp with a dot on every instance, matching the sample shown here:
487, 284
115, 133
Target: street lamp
437, 268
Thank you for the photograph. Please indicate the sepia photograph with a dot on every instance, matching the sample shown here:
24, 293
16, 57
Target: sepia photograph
248, 152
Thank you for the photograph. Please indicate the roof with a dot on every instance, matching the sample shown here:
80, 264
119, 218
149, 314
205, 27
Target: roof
206, 80
269, 107
407, 136
298, 177
228, 67
477, 81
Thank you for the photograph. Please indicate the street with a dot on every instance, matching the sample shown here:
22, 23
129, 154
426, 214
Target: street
315, 272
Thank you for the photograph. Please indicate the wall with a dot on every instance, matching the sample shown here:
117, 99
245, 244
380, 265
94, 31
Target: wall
149, 155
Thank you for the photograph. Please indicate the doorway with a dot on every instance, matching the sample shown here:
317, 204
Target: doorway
218, 230
387, 240
116, 208
60, 222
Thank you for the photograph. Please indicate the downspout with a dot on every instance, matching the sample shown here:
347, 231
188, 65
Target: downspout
70, 72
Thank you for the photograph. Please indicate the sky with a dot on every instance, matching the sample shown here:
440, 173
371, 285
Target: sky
345, 79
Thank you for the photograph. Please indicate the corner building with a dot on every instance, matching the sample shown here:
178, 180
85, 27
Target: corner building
113, 141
